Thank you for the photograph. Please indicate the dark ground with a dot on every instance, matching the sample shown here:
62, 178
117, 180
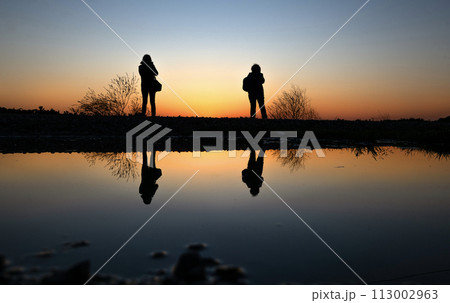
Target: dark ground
54, 132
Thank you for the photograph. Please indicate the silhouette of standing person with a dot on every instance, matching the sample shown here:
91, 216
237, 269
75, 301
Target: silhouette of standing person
148, 71
252, 175
149, 175
253, 84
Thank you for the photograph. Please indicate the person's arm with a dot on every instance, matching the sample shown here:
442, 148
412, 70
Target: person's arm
262, 79
155, 71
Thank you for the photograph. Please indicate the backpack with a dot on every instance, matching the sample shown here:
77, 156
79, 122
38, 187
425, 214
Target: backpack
246, 84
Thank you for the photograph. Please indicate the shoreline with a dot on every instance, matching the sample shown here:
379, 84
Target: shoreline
34, 132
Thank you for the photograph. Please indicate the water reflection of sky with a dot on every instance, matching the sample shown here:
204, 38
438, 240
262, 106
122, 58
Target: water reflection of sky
386, 215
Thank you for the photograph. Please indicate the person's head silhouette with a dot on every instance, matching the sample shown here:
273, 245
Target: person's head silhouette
254, 191
147, 199
256, 69
147, 196
147, 58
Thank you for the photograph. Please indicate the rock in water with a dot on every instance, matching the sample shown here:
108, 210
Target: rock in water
158, 254
76, 275
15, 270
3, 262
211, 262
76, 244
190, 268
197, 246
44, 254
228, 273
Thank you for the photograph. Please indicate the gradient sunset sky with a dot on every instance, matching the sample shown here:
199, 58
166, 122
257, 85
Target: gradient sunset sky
392, 58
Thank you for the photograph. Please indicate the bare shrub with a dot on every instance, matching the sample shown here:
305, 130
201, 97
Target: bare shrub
114, 101
293, 104
291, 159
118, 163
135, 106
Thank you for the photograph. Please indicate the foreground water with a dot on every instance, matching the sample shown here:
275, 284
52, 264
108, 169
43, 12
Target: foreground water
384, 211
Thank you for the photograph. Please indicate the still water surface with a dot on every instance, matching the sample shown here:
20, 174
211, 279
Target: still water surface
386, 213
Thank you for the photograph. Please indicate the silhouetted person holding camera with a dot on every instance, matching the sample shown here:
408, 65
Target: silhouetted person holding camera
253, 84
252, 175
149, 84
149, 175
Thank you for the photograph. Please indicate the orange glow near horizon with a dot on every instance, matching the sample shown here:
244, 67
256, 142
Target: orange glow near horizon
218, 102
221, 96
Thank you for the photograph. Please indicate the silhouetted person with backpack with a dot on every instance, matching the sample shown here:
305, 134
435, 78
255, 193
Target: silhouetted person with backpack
253, 84
252, 175
149, 84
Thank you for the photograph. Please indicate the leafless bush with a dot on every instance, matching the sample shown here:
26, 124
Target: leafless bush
135, 106
377, 152
293, 104
114, 101
118, 163
291, 159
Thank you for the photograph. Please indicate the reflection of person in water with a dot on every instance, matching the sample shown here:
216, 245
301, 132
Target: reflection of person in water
149, 175
252, 175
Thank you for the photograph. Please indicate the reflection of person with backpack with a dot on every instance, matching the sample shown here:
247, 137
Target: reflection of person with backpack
252, 175
253, 84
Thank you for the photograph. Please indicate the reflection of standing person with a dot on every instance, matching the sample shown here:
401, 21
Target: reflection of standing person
148, 71
149, 175
253, 84
252, 175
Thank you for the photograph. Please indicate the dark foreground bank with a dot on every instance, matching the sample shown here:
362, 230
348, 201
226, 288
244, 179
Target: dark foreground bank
34, 132
191, 267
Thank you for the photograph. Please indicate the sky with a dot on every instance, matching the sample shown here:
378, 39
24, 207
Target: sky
392, 58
